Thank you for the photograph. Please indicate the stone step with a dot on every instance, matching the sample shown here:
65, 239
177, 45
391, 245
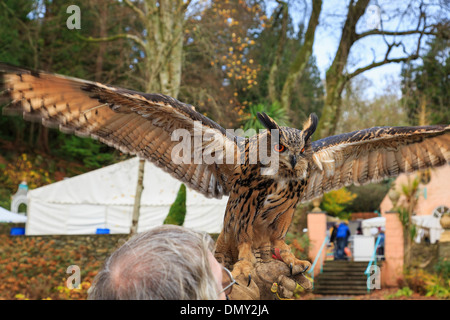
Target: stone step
342, 274
340, 277
342, 284
340, 280
345, 266
347, 262
340, 292
344, 269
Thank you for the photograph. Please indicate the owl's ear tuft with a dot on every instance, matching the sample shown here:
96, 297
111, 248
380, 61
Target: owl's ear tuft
310, 126
267, 121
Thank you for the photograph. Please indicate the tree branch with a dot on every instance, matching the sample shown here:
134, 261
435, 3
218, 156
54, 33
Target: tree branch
380, 63
135, 39
139, 12
386, 59
393, 33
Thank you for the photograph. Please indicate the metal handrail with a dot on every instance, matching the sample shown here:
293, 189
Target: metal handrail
319, 254
373, 260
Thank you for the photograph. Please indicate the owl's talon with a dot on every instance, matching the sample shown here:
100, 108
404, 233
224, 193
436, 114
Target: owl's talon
296, 269
249, 279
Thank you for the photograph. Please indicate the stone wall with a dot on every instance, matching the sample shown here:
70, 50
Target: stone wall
424, 256
444, 250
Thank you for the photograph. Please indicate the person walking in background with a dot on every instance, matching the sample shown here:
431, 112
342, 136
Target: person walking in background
333, 238
380, 249
342, 235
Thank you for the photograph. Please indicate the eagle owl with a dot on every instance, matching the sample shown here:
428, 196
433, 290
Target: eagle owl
263, 187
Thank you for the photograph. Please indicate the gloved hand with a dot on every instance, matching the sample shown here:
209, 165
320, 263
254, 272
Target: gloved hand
271, 279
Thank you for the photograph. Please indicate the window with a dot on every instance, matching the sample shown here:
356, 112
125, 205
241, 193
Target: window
441, 210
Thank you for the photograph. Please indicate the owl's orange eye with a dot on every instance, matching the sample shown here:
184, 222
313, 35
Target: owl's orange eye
303, 150
279, 148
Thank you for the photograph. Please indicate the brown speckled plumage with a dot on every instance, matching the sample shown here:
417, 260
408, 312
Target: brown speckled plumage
260, 206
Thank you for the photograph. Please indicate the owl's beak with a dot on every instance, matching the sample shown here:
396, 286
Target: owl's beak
293, 161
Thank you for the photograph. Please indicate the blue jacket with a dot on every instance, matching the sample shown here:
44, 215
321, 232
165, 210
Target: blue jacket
343, 231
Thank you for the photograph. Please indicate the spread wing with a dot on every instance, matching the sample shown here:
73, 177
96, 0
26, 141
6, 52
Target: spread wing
371, 155
136, 123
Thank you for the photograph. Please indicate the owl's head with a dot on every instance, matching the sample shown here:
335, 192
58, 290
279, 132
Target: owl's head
292, 146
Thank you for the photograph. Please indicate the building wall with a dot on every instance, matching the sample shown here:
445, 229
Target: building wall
437, 191
392, 268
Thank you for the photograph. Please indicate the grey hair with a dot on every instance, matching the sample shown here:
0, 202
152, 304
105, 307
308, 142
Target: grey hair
165, 263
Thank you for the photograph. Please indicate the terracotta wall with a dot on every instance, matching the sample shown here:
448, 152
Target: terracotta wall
392, 268
317, 228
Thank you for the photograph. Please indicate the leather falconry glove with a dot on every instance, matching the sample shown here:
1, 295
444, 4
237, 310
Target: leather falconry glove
271, 279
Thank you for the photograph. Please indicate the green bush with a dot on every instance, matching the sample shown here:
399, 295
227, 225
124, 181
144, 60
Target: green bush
403, 292
442, 268
92, 153
177, 211
273, 110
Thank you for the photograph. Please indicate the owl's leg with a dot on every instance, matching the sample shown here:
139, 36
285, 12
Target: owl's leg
246, 261
296, 265
264, 252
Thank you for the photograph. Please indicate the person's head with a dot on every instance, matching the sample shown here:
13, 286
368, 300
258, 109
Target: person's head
165, 263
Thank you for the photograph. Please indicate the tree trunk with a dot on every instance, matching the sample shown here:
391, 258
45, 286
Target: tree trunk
31, 135
284, 12
103, 16
162, 45
171, 39
303, 56
410, 192
335, 78
44, 140
332, 107
163, 62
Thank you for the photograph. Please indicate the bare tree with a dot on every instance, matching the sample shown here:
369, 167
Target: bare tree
338, 75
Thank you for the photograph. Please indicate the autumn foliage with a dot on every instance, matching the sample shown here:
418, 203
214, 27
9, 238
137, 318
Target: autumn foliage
335, 202
35, 268
23, 169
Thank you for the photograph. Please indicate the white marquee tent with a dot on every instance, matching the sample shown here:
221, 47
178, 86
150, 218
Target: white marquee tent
104, 198
8, 216
430, 226
369, 225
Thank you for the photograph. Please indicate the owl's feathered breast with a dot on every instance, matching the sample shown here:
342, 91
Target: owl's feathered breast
261, 205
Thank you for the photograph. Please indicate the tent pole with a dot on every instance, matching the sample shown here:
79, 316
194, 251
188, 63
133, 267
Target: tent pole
137, 199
